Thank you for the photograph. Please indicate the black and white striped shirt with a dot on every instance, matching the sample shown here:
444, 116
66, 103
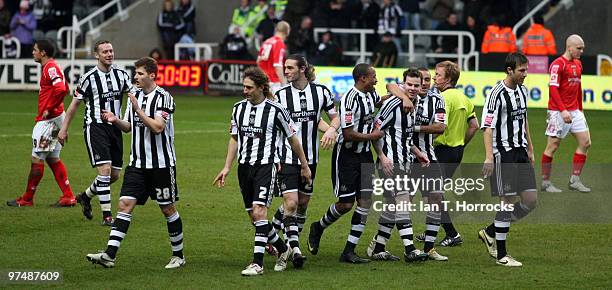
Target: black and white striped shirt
259, 127
305, 108
505, 111
357, 111
429, 110
390, 19
398, 127
102, 91
149, 150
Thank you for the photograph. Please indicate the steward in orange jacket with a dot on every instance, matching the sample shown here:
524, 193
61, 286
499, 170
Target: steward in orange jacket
538, 40
498, 39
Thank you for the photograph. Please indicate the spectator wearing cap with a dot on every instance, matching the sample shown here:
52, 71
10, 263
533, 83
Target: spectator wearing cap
538, 40
23, 25
385, 54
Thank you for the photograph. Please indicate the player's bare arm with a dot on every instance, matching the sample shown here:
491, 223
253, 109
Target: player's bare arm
471, 130
156, 125
123, 125
529, 143
351, 135
435, 128
232, 149
63, 133
385, 162
395, 90
422, 157
330, 131
297, 148
487, 168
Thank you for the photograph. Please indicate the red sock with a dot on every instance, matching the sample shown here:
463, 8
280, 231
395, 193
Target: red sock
36, 174
546, 166
61, 177
578, 163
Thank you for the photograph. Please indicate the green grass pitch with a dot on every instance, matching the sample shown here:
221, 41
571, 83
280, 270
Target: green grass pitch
218, 235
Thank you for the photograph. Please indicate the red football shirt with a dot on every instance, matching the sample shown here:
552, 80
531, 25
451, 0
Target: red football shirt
564, 86
53, 88
272, 54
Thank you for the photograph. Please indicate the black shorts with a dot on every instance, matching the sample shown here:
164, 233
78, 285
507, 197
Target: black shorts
290, 179
104, 144
513, 173
432, 177
159, 184
257, 184
352, 173
449, 158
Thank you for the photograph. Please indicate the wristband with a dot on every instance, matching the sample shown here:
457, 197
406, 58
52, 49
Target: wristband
417, 128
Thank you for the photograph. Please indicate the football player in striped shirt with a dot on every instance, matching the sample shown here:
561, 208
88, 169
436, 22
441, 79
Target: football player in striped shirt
508, 156
352, 161
305, 101
395, 153
101, 88
257, 123
151, 173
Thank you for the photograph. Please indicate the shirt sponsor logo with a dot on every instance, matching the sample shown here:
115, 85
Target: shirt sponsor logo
489, 119
348, 117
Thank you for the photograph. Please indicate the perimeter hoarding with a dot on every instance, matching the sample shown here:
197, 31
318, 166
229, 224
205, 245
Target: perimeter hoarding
597, 90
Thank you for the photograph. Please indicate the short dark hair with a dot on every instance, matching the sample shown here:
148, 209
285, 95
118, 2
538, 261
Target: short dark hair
100, 42
360, 70
47, 46
148, 63
513, 60
413, 73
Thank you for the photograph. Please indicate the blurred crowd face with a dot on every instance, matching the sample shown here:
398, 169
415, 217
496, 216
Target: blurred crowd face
168, 6
244, 3
452, 19
306, 23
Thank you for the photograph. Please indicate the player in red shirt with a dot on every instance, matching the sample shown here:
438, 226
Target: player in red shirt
53, 88
272, 56
565, 113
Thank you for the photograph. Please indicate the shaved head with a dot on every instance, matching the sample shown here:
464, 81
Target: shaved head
574, 47
283, 27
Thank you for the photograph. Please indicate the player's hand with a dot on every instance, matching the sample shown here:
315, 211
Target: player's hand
62, 136
108, 116
306, 174
423, 159
45, 114
386, 165
407, 105
220, 179
377, 133
567, 118
134, 101
531, 156
487, 167
329, 138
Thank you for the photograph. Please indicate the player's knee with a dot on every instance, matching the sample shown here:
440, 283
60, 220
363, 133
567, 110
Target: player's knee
530, 199
585, 144
104, 169
168, 210
37, 160
434, 198
126, 205
259, 212
344, 207
290, 205
114, 175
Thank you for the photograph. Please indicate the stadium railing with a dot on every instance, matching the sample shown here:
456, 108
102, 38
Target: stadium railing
8, 41
89, 25
462, 57
201, 49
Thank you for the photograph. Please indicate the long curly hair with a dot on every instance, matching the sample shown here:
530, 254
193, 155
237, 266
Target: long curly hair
260, 79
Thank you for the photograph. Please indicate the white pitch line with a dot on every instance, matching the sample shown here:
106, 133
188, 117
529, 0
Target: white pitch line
81, 134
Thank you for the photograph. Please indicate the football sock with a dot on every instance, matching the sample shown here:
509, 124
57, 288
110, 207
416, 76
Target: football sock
358, 222
61, 177
301, 220
385, 226
331, 216
102, 188
36, 173
261, 238
546, 166
447, 224
520, 211
277, 219
502, 227
175, 232
432, 225
578, 163
275, 240
290, 223
118, 232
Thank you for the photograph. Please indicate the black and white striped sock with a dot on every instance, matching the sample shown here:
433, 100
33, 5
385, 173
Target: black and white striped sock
175, 232
358, 222
102, 187
118, 232
432, 225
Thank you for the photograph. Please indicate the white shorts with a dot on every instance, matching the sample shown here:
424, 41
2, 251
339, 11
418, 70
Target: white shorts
558, 128
44, 138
